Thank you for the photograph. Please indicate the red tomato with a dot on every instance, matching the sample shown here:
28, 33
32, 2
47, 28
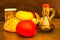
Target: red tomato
26, 28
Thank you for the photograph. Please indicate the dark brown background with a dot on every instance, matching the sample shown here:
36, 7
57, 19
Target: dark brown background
29, 5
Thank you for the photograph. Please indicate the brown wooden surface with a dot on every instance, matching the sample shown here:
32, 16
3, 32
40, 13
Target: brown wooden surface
55, 35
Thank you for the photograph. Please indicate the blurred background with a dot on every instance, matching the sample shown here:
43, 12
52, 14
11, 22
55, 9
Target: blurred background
28, 5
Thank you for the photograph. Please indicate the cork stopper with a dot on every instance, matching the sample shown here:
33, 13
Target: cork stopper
45, 5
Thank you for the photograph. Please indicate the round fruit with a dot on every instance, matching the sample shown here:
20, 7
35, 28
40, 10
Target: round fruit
26, 28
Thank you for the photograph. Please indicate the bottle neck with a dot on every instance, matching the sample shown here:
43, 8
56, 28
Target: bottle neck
45, 12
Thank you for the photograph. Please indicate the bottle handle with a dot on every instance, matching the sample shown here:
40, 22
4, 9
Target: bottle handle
53, 13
